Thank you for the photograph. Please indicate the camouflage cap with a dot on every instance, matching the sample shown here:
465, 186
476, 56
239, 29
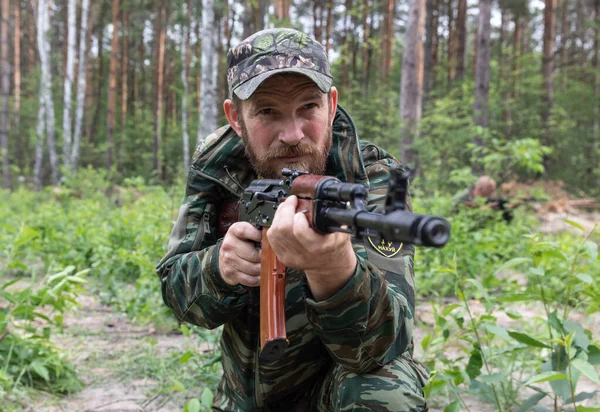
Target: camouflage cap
273, 51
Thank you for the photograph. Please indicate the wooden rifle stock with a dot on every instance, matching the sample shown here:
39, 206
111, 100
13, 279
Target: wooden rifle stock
273, 340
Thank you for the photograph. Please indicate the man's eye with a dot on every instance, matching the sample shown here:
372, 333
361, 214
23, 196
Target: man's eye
265, 111
310, 106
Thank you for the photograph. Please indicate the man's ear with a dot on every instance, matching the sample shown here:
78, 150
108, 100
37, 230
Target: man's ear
233, 116
333, 99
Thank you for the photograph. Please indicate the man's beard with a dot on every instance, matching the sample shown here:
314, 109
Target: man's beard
268, 165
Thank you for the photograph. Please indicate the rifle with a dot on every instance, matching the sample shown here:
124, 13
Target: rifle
506, 205
330, 206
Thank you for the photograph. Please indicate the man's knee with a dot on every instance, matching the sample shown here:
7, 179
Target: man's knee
397, 387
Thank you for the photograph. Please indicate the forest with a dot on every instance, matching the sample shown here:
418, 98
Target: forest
102, 104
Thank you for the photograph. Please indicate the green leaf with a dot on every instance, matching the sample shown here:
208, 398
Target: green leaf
591, 249
594, 354
588, 408
555, 322
186, 356
453, 407
450, 308
538, 271
586, 369
531, 402
498, 331
177, 385
545, 377
574, 224
527, 340
193, 405
39, 368
185, 330
512, 263
479, 287
584, 278
475, 363
580, 338
207, 398
425, 341
493, 378
26, 234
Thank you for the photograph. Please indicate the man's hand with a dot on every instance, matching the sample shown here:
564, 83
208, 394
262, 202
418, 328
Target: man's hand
328, 260
239, 259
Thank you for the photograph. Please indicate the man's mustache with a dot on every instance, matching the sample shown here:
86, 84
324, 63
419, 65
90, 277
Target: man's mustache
301, 149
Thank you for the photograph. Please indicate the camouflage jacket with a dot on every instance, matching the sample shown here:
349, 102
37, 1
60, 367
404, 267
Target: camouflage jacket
365, 325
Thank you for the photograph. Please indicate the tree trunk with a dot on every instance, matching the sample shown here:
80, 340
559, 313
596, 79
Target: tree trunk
596, 65
20, 144
208, 115
388, 39
124, 73
39, 146
564, 34
411, 88
31, 63
46, 85
81, 83
482, 73
112, 87
185, 40
68, 84
282, 12
344, 78
548, 70
461, 38
365, 48
142, 103
328, 26
430, 38
504, 76
100, 79
160, 62
452, 43
5, 66
516, 57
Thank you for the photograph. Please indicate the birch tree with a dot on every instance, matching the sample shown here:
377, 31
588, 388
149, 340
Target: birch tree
208, 115
81, 83
482, 70
43, 25
68, 85
411, 88
5, 91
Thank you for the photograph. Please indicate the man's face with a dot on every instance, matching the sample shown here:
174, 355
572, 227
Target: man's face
285, 123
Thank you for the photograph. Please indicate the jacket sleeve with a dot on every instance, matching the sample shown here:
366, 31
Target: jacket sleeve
369, 322
191, 282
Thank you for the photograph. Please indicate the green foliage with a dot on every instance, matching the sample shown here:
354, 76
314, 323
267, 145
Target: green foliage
522, 360
27, 318
118, 232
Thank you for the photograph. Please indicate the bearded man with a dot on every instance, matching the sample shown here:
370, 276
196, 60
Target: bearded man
349, 308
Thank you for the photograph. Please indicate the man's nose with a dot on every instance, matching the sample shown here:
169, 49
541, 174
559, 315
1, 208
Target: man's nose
291, 132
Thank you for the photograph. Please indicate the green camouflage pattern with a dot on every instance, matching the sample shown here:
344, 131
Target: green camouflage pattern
273, 51
361, 336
